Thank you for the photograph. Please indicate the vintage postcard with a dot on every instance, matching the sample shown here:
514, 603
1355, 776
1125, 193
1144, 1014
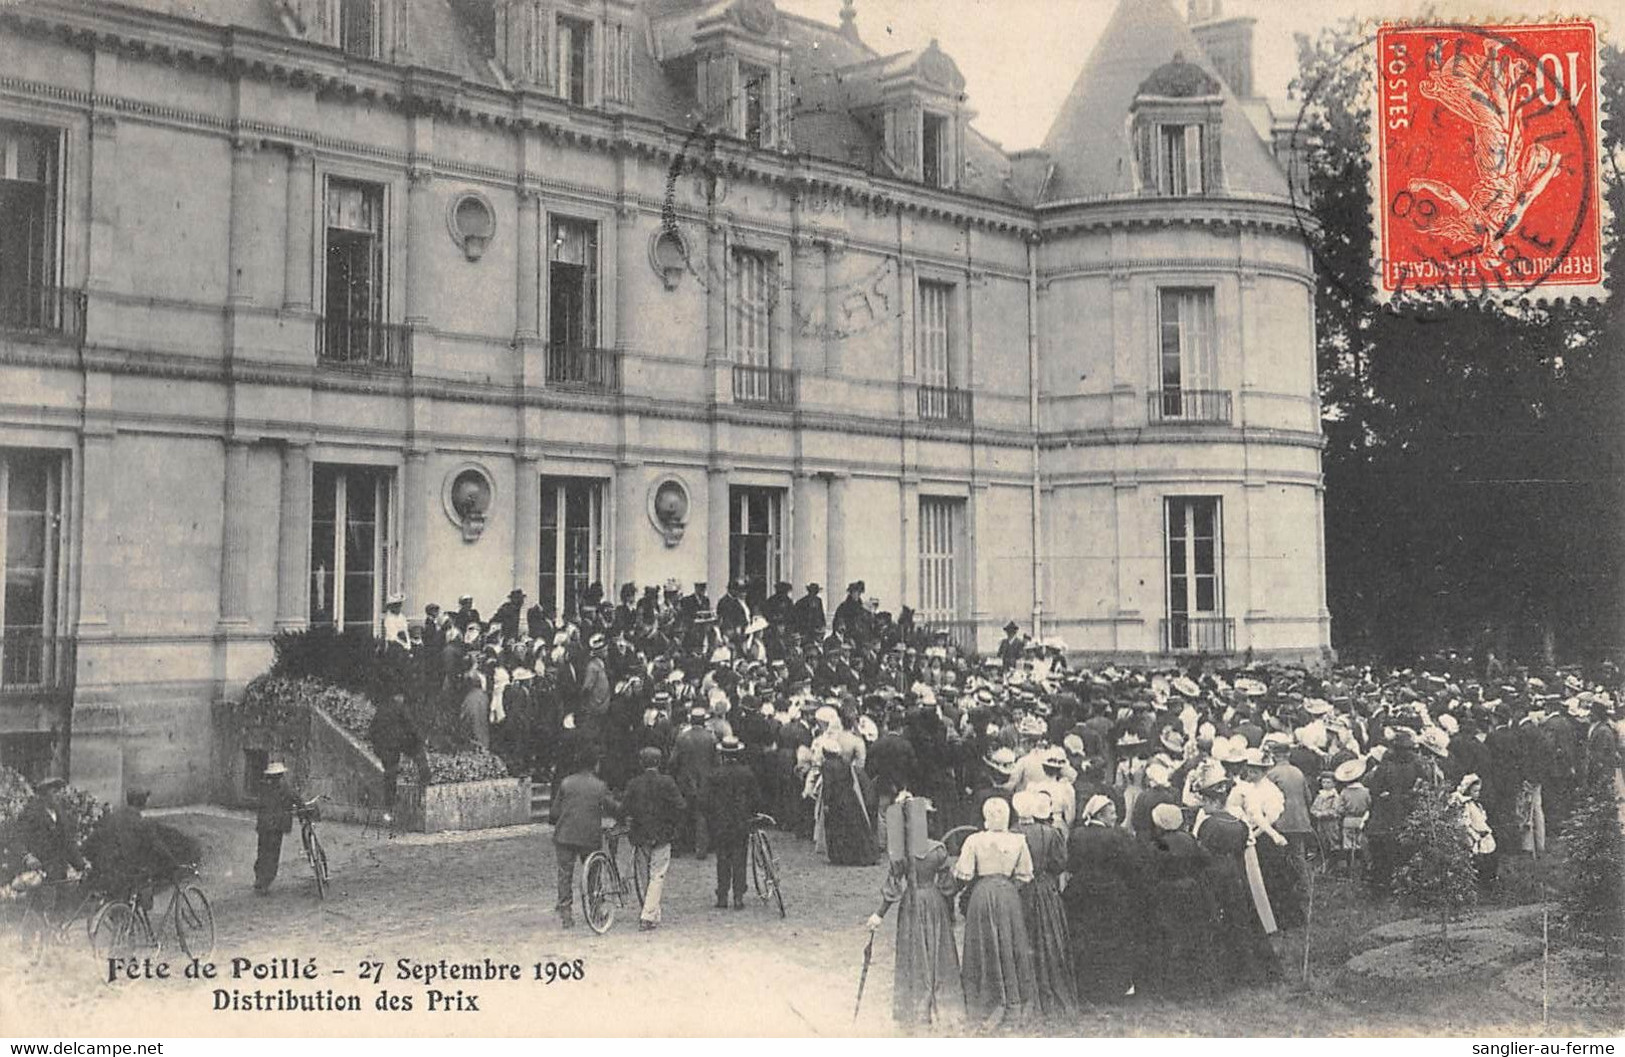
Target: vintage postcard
810, 518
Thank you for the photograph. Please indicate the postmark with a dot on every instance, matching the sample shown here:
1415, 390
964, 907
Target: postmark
863, 298
1486, 167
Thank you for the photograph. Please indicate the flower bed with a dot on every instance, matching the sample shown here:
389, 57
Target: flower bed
1421, 928
1424, 958
1575, 979
273, 706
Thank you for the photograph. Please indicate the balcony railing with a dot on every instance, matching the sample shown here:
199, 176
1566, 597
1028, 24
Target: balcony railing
32, 661
1191, 405
764, 386
594, 370
364, 343
943, 403
1187, 634
47, 310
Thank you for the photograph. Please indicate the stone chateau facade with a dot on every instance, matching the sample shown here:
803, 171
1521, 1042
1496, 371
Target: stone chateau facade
306, 302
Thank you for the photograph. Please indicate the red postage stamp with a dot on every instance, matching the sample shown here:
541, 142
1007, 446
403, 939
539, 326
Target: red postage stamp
1487, 164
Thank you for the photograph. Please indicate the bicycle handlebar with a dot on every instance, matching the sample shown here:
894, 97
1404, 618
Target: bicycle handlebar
763, 819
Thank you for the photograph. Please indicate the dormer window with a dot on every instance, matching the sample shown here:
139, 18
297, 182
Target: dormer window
755, 89
358, 28
575, 60
1176, 131
933, 142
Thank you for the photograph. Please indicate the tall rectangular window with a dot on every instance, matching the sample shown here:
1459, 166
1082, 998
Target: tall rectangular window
572, 544
942, 522
1187, 353
28, 227
350, 545
353, 298
934, 357
575, 60
30, 549
1178, 161
933, 143
358, 28
756, 535
1195, 568
755, 88
756, 294
572, 283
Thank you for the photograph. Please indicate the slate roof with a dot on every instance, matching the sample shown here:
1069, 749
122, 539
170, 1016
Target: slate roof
1090, 141
1086, 154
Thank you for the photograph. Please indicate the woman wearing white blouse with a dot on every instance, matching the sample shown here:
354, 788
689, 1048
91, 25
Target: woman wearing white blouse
997, 968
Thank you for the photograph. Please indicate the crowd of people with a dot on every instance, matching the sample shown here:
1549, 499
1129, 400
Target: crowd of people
1152, 828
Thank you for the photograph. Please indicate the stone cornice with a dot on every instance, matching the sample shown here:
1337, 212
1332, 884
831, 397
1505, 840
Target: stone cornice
1225, 213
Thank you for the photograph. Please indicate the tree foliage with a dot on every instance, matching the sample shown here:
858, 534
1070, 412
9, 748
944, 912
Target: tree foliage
1475, 460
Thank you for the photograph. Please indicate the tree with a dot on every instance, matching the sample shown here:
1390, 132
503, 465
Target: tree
1475, 459
1593, 901
1439, 873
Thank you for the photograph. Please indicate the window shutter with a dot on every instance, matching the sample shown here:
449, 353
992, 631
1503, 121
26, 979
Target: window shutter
1193, 160
1145, 154
1213, 175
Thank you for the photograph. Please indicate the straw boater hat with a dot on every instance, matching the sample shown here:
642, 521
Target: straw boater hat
1186, 686
1349, 770
1172, 739
276, 767
1002, 760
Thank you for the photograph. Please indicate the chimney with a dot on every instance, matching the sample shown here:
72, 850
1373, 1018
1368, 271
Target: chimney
1227, 42
849, 21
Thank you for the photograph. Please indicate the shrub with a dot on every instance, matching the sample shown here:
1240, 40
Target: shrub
1439, 874
1593, 901
350, 658
15, 792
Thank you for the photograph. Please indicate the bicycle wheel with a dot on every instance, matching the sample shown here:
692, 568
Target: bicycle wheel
318, 863
770, 870
756, 866
640, 873
194, 921
112, 931
597, 895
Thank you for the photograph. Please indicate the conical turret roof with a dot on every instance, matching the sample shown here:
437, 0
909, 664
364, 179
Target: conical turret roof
1090, 143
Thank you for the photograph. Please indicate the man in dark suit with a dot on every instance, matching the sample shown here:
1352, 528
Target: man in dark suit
273, 820
732, 611
808, 613
577, 812
510, 614
778, 609
1601, 758
654, 808
50, 832
1010, 649
851, 616
891, 761
693, 755
730, 799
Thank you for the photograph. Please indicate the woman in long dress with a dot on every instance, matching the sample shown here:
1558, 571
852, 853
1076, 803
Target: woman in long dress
921, 885
843, 823
997, 971
1041, 905
1103, 908
1179, 959
1241, 945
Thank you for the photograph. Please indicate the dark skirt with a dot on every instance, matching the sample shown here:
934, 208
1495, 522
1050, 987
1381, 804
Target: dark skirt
1243, 950
1102, 926
927, 962
1283, 880
998, 971
1052, 961
1179, 961
848, 832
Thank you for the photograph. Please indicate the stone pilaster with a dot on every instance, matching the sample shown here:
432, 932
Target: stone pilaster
301, 221
293, 539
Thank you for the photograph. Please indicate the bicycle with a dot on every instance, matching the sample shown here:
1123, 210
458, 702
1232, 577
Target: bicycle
315, 854
113, 928
602, 881
45, 922
764, 865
